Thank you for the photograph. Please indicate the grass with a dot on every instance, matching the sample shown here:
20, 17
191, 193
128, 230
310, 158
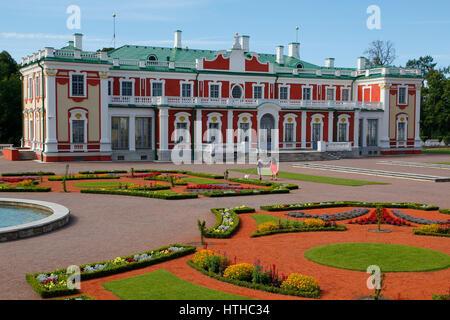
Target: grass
318, 179
163, 285
389, 257
202, 181
101, 184
263, 218
439, 150
446, 163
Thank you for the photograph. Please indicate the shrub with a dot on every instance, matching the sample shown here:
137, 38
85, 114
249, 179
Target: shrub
201, 257
429, 228
241, 271
314, 223
299, 282
445, 211
267, 227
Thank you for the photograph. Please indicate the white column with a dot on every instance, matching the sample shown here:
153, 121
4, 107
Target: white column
132, 133
364, 133
164, 134
384, 125
417, 140
330, 126
356, 129
303, 130
198, 144
50, 114
230, 138
105, 138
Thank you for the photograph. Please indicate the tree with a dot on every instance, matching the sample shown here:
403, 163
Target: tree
380, 53
106, 49
10, 100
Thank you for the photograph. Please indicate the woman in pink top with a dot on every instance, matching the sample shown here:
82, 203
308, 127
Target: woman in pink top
274, 169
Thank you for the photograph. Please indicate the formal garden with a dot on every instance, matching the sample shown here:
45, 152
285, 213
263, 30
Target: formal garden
317, 250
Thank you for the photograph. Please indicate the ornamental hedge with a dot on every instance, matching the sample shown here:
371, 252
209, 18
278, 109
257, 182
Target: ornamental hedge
82, 177
166, 195
245, 192
299, 229
256, 286
333, 204
25, 189
156, 256
445, 211
190, 173
17, 174
433, 234
290, 186
227, 224
102, 171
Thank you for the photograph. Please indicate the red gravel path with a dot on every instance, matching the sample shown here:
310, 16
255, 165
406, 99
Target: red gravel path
286, 251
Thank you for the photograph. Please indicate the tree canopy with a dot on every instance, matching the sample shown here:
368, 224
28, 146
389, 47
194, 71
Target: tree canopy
380, 53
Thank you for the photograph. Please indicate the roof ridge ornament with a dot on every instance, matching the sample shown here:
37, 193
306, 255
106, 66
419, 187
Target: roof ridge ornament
236, 45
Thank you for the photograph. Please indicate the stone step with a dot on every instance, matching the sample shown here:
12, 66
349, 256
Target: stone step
27, 155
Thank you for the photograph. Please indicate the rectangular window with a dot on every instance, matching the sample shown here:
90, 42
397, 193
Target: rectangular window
330, 94
213, 130
402, 95
257, 92
37, 87
109, 88
127, 88
284, 95
401, 131
180, 131
243, 131
214, 90
143, 133
157, 89
186, 90
77, 131
119, 133
306, 93
372, 132
30, 88
345, 95
342, 137
289, 132
77, 85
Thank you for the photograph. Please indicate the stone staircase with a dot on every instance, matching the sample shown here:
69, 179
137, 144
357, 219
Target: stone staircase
306, 155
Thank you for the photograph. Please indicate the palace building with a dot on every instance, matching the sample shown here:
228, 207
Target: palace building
140, 102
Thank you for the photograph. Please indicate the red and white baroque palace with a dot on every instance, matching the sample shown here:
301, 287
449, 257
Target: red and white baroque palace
127, 104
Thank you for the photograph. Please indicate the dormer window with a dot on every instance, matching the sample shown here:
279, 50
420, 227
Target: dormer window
299, 66
152, 59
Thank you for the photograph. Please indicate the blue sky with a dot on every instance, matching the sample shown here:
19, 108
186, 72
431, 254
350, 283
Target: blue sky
328, 28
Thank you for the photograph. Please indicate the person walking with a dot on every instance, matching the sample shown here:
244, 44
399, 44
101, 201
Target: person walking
274, 169
259, 166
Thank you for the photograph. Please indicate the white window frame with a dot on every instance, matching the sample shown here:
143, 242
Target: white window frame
288, 92
219, 84
249, 121
294, 133
132, 86
406, 96
321, 122
363, 93
37, 86
310, 94
175, 135
401, 143
83, 113
30, 87
84, 74
257, 85
163, 89
345, 117
242, 91
190, 91
349, 93
110, 85
326, 93
212, 115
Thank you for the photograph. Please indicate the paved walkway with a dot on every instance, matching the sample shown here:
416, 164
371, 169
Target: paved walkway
107, 226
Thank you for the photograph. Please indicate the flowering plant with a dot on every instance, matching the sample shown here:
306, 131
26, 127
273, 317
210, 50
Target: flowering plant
241, 271
299, 282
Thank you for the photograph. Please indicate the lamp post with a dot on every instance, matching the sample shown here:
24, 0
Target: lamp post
114, 29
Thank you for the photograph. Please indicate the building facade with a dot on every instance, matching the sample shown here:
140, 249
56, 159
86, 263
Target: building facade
141, 103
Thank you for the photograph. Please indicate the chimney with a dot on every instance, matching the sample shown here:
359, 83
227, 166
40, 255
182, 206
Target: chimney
280, 55
329, 62
294, 50
245, 43
78, 41
177, 40
361, 63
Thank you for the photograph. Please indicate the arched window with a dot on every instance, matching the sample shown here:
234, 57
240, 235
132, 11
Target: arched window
236, 92
152, 59
299, 66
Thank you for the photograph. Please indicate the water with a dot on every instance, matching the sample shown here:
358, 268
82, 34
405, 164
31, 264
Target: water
13, 216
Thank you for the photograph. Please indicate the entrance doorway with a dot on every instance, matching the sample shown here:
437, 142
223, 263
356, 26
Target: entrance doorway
316, 137
267, 123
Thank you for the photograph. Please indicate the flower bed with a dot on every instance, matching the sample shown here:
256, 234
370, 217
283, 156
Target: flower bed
84, 177
201, 187
191, 173
309, 225
163, 194
264, 183
227, 223
352, 214
385, 219
102, 171
254, 276
331, 204
17, 179
247, 192
54, 284
409, 218
437, 230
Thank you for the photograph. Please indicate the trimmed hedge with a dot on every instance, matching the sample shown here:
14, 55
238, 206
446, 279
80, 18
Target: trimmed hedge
25, 189
102, 171
433, 234
84, 177
445, 211
18, 174
57, 292
243, 209
191, 173
256, 286
146, 194
245, 192
332, 204
264, 183
292, 230
211, 233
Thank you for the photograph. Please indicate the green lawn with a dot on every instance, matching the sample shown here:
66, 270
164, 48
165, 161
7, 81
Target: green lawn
446, 163
202, 181
262, 218
163, 285
311, 178
389, 257
100, 184
439, 150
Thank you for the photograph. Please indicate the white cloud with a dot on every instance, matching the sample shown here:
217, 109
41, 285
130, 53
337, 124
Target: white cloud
16, 35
